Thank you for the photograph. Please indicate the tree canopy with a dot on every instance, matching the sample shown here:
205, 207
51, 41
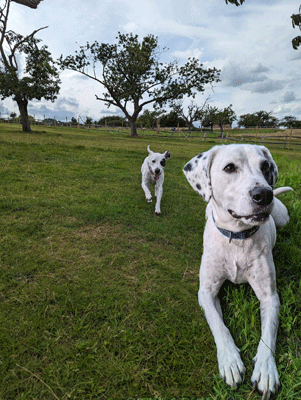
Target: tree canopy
263, 119
172, 120
290, 122
192, 113
39, 79
133, 76
221, 117
148, 118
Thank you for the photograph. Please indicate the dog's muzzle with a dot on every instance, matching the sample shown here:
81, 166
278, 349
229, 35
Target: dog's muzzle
262, 197
156, 175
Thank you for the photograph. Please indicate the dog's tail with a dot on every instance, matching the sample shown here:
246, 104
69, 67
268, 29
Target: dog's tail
149, 150
281, 190
279, 212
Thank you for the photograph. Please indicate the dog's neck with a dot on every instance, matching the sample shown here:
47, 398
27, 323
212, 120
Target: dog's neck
224, 220
237, 235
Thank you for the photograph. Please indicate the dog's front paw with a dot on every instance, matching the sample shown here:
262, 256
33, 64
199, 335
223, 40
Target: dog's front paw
265, 376
158, 212
230, 366
149, 199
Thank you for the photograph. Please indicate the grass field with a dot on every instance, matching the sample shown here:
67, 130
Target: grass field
98, 295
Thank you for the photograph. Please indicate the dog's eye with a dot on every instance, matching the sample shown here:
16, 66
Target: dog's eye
265, 166
162, 162
230, 168
153, 161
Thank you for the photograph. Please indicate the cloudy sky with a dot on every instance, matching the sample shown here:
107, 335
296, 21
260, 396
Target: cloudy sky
250, 44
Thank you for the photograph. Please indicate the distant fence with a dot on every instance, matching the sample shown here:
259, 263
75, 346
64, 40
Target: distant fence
287, 139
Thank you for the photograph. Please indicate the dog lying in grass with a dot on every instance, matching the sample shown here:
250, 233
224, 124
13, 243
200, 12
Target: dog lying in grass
237, 181
152, 171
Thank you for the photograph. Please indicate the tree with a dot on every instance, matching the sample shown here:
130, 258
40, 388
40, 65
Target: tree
13, 115
38, 80
113, 120
194, 112
263, 119
89, 121
296, 21
149, 118
133, 77
220, 117
290, 122
172, 119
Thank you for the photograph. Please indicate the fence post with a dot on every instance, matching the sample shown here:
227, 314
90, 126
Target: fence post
285, 142
290, 139
178, 130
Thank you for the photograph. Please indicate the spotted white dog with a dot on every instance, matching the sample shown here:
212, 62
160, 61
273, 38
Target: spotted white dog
237, 182
152, 171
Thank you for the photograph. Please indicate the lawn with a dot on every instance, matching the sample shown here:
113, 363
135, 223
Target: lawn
98, 295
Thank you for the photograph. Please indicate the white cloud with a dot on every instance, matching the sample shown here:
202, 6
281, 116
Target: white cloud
190, 53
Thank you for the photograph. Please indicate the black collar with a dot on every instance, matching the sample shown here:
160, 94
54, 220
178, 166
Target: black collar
237, 235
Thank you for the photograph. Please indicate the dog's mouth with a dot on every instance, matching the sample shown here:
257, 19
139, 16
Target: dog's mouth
155, 175
257, 217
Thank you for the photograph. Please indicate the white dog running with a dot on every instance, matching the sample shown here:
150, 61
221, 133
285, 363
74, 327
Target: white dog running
237, 182
152, 171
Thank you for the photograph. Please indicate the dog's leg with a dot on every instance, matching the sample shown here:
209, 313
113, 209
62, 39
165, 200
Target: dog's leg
158, 194
265, 376
145, 187
230, 365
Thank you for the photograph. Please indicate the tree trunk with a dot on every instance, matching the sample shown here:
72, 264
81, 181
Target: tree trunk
222, 130
133, 128
22, 104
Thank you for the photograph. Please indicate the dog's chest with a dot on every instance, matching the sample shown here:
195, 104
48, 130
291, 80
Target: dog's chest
238, 260
238, 271
234, 261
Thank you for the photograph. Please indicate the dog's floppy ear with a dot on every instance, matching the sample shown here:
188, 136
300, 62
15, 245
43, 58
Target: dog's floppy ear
167, 155
271, 173
197, 172
149, 150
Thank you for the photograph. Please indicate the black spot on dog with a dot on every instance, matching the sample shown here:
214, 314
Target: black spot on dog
198, 186
163, 162
188, 167
200, 155
269, 172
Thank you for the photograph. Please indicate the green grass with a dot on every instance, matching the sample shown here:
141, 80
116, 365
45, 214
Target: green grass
98, 295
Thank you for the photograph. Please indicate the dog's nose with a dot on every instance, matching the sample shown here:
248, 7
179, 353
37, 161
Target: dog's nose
262, 196
157, 171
